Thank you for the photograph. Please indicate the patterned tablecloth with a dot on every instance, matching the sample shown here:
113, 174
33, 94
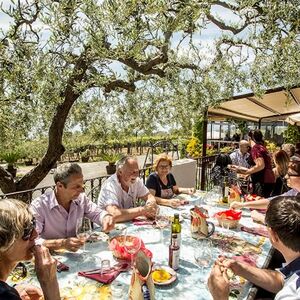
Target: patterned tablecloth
188, 283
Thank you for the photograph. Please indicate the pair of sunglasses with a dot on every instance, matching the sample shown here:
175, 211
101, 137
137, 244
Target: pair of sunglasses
29, 230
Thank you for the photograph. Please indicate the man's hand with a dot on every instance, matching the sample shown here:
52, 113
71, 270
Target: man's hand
72, 244
29, 292
149, 210
108, 223
218, 283
257, 217
236, 205
228, 263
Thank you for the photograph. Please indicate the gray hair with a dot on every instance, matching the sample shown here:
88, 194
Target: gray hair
14, 217
65, 171
123, 161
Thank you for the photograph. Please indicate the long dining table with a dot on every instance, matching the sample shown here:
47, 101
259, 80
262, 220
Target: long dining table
191, 281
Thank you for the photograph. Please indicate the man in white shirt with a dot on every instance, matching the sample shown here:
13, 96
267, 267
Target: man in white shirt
283, 221
240, 156
120, 192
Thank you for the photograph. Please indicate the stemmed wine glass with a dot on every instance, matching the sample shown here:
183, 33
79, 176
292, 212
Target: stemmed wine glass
132, 244
161, 221
83, 230
203, 256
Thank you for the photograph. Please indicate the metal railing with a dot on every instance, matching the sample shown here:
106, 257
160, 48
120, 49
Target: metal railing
93, 186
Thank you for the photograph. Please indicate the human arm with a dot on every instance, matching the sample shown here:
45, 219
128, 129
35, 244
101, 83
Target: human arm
257, 204
218, 283
188, 191
173, 202
45, 267
269, 280
70, 244
258, 217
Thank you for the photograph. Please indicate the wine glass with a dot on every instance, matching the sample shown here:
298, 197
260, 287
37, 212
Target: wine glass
204, 256
83, 230
132, 244
161, 221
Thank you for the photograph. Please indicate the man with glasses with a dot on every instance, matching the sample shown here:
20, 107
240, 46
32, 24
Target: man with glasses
293, 181
283, 222
121, 191
58, 211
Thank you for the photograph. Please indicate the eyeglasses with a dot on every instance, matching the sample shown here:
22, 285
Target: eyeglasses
29, 230
164, 166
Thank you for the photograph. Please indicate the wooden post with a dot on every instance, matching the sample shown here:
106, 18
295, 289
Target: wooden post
204, 143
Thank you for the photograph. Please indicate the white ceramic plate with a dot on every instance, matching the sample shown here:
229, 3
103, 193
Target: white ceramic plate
169, 270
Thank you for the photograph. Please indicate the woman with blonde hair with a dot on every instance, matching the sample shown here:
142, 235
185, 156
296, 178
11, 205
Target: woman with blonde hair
161, 183
17, 243
281, 161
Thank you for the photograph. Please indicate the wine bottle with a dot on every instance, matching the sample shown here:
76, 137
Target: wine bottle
174, 253
176, 228
225, 190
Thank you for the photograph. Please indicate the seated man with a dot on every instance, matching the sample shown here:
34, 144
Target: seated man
293, 181
57, 212
119, 193
283, 221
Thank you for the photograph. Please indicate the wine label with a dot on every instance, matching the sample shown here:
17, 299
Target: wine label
175, 255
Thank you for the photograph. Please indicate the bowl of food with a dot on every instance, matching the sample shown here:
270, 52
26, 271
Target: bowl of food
163, 275
228, 218
117, 246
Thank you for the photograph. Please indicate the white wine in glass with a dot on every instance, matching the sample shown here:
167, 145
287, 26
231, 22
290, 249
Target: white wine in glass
83, 230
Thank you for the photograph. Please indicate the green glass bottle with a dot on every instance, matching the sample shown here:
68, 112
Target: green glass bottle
176, 228
225, 189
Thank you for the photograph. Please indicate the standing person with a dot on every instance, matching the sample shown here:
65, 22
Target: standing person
261, 172
162, 184
120, 192
17, 243
283, 223
58, 211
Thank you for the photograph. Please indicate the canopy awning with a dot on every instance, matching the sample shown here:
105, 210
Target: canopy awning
275, 104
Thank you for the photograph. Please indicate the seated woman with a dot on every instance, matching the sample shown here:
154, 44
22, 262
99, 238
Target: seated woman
162, 183
17, 243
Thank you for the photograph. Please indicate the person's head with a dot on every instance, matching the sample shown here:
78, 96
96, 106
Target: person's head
17, 231
256, 136
293, 174
162, 164
283, 219
244, 146
281, 161
68, 179
289, 149
223, 160
127, 170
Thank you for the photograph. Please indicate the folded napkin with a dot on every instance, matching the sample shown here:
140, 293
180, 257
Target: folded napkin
262, 230
139, 222
61, 266
108, 276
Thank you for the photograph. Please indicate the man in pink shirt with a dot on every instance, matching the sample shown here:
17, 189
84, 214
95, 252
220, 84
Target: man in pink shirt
57, 211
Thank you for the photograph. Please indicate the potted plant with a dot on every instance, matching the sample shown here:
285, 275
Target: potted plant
85, 155
111, 158
11, 157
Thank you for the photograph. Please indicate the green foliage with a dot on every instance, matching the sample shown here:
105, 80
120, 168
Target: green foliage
11, 157
111, 158
194, 148
198, 130
292, 134
226, 149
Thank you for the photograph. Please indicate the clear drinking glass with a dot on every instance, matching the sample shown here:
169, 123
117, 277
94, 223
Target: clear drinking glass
161, 221
83, 230
132, 244
204, 257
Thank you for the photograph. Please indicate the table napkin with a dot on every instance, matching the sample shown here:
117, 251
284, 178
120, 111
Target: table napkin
108, 276
256, 230
61, 266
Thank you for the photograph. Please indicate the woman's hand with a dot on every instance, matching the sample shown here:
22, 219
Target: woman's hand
29, 292
175, 203
191, 191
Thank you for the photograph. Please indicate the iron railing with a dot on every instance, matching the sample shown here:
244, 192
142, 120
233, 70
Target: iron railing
93, 185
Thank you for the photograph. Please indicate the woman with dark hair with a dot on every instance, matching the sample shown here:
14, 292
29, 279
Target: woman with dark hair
220, 170
261, 172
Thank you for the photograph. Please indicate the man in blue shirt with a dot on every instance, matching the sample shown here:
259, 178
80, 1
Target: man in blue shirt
283, 221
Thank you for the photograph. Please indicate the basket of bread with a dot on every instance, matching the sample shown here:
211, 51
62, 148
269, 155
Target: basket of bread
228, 218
